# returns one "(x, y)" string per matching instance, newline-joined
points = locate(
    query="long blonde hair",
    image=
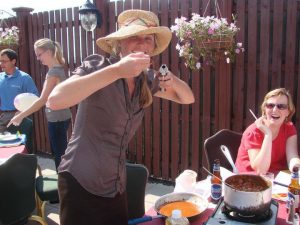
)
(47, 44)
(146, 95)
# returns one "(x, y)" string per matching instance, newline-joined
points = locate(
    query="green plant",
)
(203, 40)
(9, 36)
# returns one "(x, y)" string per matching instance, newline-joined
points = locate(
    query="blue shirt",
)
(12, 85)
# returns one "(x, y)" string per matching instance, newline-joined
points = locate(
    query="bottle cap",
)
(217, 161)
(176, 213)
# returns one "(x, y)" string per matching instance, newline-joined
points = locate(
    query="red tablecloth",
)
(9, 151)
(204, 217)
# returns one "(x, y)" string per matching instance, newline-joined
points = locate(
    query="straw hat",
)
(137, 22)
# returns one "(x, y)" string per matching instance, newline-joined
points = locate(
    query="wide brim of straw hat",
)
(163, 37)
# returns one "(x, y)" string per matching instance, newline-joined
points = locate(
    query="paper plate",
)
(9, 138)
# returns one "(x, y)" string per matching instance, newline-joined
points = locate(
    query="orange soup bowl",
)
(191, 205)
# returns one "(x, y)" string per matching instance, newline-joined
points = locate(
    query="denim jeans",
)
(58, 139)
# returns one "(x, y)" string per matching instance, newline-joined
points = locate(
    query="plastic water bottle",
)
(177, 219)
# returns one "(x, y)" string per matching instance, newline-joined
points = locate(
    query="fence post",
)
(102, 6)
(22, 19)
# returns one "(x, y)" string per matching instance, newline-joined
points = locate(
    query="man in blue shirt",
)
(12, 82)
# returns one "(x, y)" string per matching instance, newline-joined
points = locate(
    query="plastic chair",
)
(212, 150)
(17, 190)
(137, 177)
(25, 127)
(47, 191)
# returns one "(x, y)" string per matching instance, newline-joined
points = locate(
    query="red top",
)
(253, 138)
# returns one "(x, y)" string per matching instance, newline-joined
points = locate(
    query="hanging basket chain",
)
(223, 40)
(204, 13)
(217, 8)
(218, 11)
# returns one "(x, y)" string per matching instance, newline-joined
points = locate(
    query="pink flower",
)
(211, 31)
(239, 44)
(174, 28)
(215, 26)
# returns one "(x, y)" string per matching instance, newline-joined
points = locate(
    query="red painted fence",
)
(171, 136)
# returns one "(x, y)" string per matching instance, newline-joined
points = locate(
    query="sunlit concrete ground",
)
(153, 191)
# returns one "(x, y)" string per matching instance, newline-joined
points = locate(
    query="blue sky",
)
(37, 5)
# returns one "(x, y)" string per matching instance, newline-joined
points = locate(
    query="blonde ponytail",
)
(54, 47)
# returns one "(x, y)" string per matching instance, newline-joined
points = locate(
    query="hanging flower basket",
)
(13, 47)
(217, 42)
(9, 38)
(204, 40)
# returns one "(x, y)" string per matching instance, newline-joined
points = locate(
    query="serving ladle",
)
(227, 154)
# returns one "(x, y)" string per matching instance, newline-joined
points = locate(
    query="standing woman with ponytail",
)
(50, 55)
(112, 94)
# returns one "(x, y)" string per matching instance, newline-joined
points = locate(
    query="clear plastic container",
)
(186, 181)
(177, 219)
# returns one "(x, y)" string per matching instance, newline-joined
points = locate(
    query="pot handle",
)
(227, 154)
(143, 219)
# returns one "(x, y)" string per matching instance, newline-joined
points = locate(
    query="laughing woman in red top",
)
(270, 144)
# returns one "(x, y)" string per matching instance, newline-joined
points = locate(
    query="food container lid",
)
(176, 214)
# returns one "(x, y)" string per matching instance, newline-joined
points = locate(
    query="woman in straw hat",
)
(112, 94)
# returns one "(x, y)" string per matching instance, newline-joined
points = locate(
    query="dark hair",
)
(11, 54)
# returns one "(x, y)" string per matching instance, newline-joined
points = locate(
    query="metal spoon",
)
(227, 154)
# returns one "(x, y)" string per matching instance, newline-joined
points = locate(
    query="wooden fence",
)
(171, 136)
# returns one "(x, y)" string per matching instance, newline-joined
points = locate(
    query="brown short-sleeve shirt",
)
(105, 123)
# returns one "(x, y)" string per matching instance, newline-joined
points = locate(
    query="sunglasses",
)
(40, 54)
(4, 61)
(279, 106)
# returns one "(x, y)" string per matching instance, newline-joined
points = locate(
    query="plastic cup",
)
(269, 176)
(186, 181)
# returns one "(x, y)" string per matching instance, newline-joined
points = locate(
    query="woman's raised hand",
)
(261, 125)
(133, 64)
(294, 162)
